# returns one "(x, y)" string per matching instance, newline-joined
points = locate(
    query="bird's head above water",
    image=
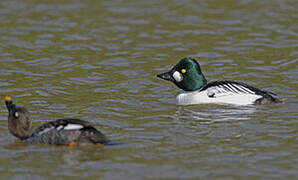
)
(19, 123)
(187, 75)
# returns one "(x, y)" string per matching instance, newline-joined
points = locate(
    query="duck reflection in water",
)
(219, 113)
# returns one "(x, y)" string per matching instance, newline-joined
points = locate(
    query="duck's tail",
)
(271, 100)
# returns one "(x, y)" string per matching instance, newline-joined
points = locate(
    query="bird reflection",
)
(215, 113)
(75, 156)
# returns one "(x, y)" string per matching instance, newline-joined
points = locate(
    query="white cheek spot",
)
(177, 76)
(73, 127)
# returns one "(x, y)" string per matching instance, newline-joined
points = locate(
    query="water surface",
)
(98, 60)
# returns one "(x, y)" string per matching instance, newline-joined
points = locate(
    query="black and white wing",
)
(225, 88)
(62, 124)
(63, 131)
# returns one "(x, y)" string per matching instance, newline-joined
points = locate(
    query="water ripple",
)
(98, 61)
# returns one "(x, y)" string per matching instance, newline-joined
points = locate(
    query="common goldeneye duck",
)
(60, 132)
(187, 75)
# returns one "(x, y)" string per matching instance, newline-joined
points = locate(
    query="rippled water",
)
(97, 60)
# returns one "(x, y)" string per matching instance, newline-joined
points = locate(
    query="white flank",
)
(220, 96)
(73, 127)
(177, 76)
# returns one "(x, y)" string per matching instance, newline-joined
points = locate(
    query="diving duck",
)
(187, 75)
(59, 132)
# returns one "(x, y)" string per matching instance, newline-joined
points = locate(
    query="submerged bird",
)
(188, 76)
(60, 132)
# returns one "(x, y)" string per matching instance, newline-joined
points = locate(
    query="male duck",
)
(60, 132)
(188, 76)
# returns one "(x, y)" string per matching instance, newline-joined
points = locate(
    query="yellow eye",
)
(183, 71)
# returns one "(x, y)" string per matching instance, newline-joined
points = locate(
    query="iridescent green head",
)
(187, 75)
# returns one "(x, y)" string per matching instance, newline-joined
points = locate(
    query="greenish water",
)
(97, 60)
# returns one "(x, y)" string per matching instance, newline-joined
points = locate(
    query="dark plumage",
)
(60, 132)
